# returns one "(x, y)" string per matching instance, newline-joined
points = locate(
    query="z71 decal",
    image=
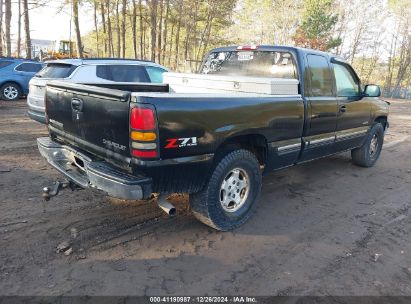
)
(173, 143)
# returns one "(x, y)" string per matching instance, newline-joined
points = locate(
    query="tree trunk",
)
(142, 54)
(1, 28)
(96, 28)
(123, 27)
(191, 34)
(153, 25)
(134, 28)
(7, 23)
(79, 46)
(405, 62)
(27, 29)
(118, 30)
(165, 31)
(170, 49)
(207, 40)
(160, 30)
(202, 48)
(103, 20)
(180, 13)
(19, 28)
(110, 32)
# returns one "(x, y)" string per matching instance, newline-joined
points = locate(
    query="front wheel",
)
(10, 92)
(230, 196)
(368, 154)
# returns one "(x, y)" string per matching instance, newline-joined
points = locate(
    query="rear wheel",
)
(10, 91)
(368, 154)
(230, 196)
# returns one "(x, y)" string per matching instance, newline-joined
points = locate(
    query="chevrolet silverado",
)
(249, 110)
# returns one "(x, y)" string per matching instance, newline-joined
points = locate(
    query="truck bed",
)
(101, 127)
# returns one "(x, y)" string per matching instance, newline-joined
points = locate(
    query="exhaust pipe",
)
(166, 206)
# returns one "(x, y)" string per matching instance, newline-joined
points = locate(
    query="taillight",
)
(142, 119)
(143, 133)
(144, 154)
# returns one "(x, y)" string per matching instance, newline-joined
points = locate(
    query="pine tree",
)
(317, 26)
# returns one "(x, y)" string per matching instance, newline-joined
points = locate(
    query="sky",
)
(46, 23)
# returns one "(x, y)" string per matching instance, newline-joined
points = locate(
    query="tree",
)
(96, 27)
(103, 21)
(77, 29)
(316, 28)
(123, 28)
(142, 53)
(19, 28)
(401, 62)
(110, 33)
(1, 27)
(264, 21)
(7, 24)
(118, 29)
(153, 4)
(134, 28)
(27, 29)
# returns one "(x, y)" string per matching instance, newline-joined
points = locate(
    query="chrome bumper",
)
(87, 173)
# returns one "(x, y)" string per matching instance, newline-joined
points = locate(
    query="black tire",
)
(368, 154)
(10, 91)
(206, 205)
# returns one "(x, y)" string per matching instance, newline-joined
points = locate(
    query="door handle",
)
(77, 104)
(343, 108)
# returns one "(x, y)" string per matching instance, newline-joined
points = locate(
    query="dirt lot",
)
(322, 228)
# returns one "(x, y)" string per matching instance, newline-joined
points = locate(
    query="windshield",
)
(56, 70)
(251, 63)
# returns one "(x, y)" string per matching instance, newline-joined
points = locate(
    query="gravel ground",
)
(322, 228)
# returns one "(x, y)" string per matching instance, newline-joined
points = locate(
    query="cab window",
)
(346, 83)
(321, 81)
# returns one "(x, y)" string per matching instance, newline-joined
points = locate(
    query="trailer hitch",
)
(49, 192)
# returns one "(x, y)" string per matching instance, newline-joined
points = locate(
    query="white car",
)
(89, 71)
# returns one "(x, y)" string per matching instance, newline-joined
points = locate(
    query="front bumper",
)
(88, 173)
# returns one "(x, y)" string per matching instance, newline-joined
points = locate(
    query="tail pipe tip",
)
(166, 206)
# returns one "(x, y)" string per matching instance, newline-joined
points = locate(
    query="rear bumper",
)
(87, 173)
(36, 108)
(37, 116)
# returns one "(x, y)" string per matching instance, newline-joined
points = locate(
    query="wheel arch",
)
(383, 120)
(255, 143)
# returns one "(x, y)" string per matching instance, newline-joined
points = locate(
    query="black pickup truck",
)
(130, 141)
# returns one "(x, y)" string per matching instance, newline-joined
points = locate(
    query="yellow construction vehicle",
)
(63, 49)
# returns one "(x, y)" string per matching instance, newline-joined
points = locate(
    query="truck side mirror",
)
(372, 90)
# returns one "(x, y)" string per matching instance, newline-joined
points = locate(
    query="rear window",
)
(57, 70)
(3, 64)
(273, 64)
(122, 73)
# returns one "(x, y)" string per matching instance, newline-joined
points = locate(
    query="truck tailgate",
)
(95, 119)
